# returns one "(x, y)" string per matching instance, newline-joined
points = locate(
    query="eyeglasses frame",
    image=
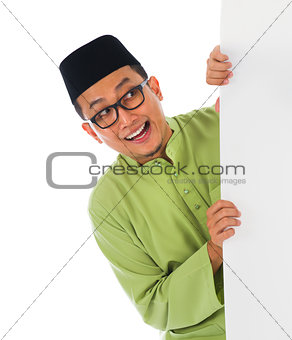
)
(118, 103)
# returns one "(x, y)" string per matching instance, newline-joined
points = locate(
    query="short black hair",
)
(137, 68)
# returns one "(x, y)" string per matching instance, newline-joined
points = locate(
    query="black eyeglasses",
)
(129, 101)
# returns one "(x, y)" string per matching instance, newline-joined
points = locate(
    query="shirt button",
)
(197, 206)
(159, 164)
(156, 163)
(186, 191)
(175, 174)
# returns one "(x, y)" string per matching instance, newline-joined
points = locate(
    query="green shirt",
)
(151, 226)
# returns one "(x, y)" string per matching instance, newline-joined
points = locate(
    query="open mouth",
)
(141, 134)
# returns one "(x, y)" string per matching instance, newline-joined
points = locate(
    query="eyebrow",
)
(121, 84)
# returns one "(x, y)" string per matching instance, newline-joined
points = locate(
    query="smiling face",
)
(148, 116)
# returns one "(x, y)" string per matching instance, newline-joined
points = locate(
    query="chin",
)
(154, 150)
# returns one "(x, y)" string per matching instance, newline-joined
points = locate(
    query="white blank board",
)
(256, 132)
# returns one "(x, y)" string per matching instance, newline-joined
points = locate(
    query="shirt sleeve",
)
(219, 285)
(181, 298)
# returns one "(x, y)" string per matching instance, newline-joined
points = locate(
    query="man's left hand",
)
(217, 71)
(217, 68)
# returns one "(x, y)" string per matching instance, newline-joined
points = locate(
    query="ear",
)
(154, 85)
(89, 130)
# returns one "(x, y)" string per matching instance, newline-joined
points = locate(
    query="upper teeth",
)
(137, 132)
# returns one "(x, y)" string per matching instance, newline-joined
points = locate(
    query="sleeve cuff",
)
(215, 282)
(193, 290)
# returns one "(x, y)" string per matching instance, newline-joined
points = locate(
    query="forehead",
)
(105, 88)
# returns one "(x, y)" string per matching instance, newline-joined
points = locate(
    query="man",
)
(156, 213)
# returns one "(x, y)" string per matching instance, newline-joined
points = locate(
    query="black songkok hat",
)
(92, 62)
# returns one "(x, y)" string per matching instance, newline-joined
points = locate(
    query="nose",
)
(126, 118)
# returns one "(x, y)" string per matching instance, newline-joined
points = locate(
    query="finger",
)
(223, 213)
(225, 235)
(219, 227)
(215, 65)
(219, 205)
(218, 77)
(216, 54)
(219, 74)
(218, 82)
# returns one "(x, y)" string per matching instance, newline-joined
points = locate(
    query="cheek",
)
(114, 142)
(156, 112)
(159, 120)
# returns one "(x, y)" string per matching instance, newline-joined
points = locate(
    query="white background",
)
(255, 128)
(42, 227)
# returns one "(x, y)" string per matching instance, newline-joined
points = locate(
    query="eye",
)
(104, 112)
(130, 94)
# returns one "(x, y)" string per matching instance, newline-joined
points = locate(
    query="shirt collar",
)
(171, 146)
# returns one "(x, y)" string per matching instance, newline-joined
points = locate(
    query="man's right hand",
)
(221, 215)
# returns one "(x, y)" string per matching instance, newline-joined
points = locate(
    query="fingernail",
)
(231, 74)
(226, 81)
